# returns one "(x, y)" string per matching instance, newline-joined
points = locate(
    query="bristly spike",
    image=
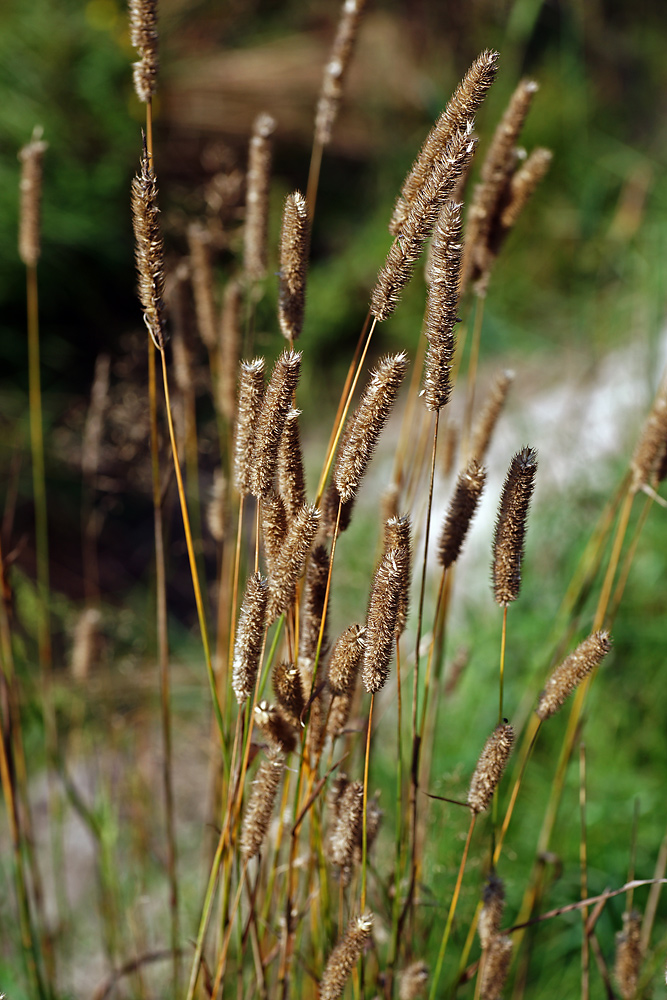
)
(312, 604)
(149, 250)
(276, 404)
(413, 980)
(30, 187)
(260, 805)
(460, 513)
(344, 956)
(257, 197)
(496, 967)
(345, 828)
(249, 637)
(381, 622)
(523, 184)
(294, 248)
(628, 960)
(335, 70)
(588, 655)
(276, 727)
(144, 38)
(343, 669)
(289, 691)
(398, 535)
(201, 275)
(491, 914)
(510, 532)
(251, 395)
(291, 477)
(651, 448)
(490, 767)
(291, 559)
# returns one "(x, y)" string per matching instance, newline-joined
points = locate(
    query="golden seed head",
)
(312, 603)
(413, 980)
(651, 448)
(229, 344)
(275, 726)
(149, 250)
(201, 275)
(496, 967)
(522, 185)
(510, 531)
(274, 527)
(291, 560)
(586, 657)
(344, 957)
(294, 248)
(260, 804)
(144, 38)
(276, 404)
(249, 637)
(291, 477)
(398, 535)
(345, 660)
(216, 512)
(257, 197)
(346, 827)
(289, 691)
(30, 187)
(490, 766)
(335, 70)
(491, 914)
(461, 510)
(488, 418)
(381, 621)
(251, 394)
(628, 955)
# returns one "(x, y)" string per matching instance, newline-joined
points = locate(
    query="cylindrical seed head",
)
(348, 822)
(289, 691)
(490, 766)
(291, 478)
(413, 980)
(460, 513)
(344, 957)
(586, 657)
(345, 660)
(510, 531)
(496, 967)
(334, 72)
(260, 805)
(149, 250)
(249, 637)
(291, 559)
(397, 535)
(488, 418)
(312, 604)
(491, 914)
(381, 620)
(651, 448)
(216, 512)
(294, 248)
(274, 527)
(275, 726)
(276, 405)
(30, 187)
(628, 955)
(257, 197)
(251, 395)
(228, 347)
(201, 275)
(144, 38)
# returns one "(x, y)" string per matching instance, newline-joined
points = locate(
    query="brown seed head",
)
(397, 535)
(345, 660)
(289, 691)
(275, 726)
(201, 275)
(144, 38)
(522, 186)
(491, 914)
(276, 405)
(294, 248)
(344, 957)
(291, 477)
(496, 968)
(488, 418)
(291, 559)
(30, 187)
(92, 434)
(508, 542)
(149, 250)
(586, 657)
(228, 346)
(461, 110)
(216, 512)
(366, 424)
(651, 448)
(346, 828)
(312, 604)
(274, 527)
(251, 394)
(490, 767)
(382, 619)
(249, 637)
(260, 805)
(257, 197)
(335, 70)
(412, 981)
(628, 955)
(461, 510)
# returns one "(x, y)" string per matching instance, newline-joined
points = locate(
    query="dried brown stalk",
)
(249, 637)
(257, 197)
(276, 404)
(488, 418)
(294, 248)
(335, 70)
(260, 805)
(144, 38)
(251, 394)
(511, 526)
(490, 766)
(149, 250)
(460, 513)
(30, 187)
(344, 956)
(586, 657)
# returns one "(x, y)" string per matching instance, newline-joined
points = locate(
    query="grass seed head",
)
(312, 604)
(275, 726)
(412, 981)
(496, 967)
(291, 477)
(490, 767)
(229, 342)
(144, 38)
(488, 418)
(30, 188)
(381, 621)
(291, 559)
(257, 197)
(249, 637)
(260, 804)
(289, 691)
(294, 247)
(345, 956)
(251, 395)
(149, 249)
(335, 70)
(201, 275)
(650, 454)
(586, 657)
(491, 914)
(510, 532)
(628, 955)
(460, 513)
(276, 404)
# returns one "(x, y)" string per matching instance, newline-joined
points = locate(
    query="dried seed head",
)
(461, 510)
(274, 527)
(345, 660)
(249, 637)
(651, 449)
(260, 805)
(144, 38)
(229, 342)
(92, 434)
(437, 368)
(490, 767)
(275, 726)
(291, 559)
(294, 247)
(149, 250)
(344, 956)
(522, 186)
(496, 968)
(444, 273)
(397, 535)
(312, 604)
(586, 657)
(334, 72)
(381, 620)
(461, 110)
(346, 828)
(330, 502)
(367, 422)
(511, 526)
(491, 914)
(201, 275)
(450, 163)
(276, 405)
(628, 955)
(216, 512)
(30, 187)
(251, 395)
(291, 478)
(413, 980)
(257, 197)
(488, 418)
(289, 691)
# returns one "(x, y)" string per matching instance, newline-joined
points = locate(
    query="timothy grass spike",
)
(291, 477)
(490, 767)
(276, 404)
(628, 955)
(496, 967)
(291, 559)
(249, 637)
(144, 38)
(294, 247)
(381, 622)
(460, 513)
(588, 655)
(651, 448)
(335, 70)
(488, 418)
(149, 250)
(345, 956)
(510, 532)
(30, 187)
(251, 395)
(260, 805)
(257, 197)
(228, 345)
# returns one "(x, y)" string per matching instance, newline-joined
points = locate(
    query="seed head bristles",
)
(488, 418)
(30, 187)
(345, 660)
(443, 273)
(460, 513)
(381, 620)
(511, 526)
(144, 38)
(260, 805)
(367, 422)
(230, 339)
(334, 72)
(523, 184)
(294, 248)
(437, 368)
(291, 559)
(496, 968)
(216, 512)
(274, 527)
(257, 197)
(275, 726)
(419, 223)
(412, 981)
(346, 828)
(288, 691)
(251, 395)
(461, 109)
(312, 604)
(276, 405)
(490, 767)
(490, 194)
(397, 535)
(330, 502)
(149, 251)
(651, 448)
(291, 478)
(628, 955)
(491, 914)
(345, 956)
(588, 655)
(249, 637)
(201, 275)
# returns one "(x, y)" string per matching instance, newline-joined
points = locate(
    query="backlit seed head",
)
(461, 510)
(345, 956)
(586, 657)
(490, 767)
(511, 526)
